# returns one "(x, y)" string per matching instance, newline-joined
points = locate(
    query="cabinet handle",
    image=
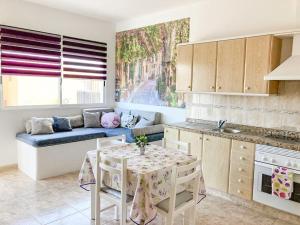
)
(247, 88)
(167, 131)
(189, 87)
(200, 138)
(206, 139)
(239, 191)
(240, 180)
(240, 169)
(212, 87)
(242, 158)
(243, 147)
(219, 87)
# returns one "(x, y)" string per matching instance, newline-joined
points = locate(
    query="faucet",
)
(221, 123)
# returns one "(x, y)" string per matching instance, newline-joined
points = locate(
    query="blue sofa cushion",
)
(81, 134)
(78, 134)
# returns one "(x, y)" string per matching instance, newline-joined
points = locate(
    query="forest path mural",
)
(146, 63)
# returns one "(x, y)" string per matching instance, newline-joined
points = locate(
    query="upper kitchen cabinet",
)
(204, 67)
(262, 56)
(231, 66)
(184, 68)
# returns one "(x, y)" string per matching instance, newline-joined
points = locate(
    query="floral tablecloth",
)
(148, 177)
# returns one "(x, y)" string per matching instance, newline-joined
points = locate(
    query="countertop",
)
(255, 135)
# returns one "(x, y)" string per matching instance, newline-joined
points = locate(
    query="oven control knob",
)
(288, 164)
(264, 158)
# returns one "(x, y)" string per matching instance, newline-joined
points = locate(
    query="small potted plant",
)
(141, 142)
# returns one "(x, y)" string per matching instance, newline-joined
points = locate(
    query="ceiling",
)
(113, 10)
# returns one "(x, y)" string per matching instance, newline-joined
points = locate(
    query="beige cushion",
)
(154, 129)
(28, 124)
(181, 198)
(92, 120)
(76, 121)
(41, 126)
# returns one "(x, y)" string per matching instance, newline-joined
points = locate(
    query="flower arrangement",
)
(141, 142)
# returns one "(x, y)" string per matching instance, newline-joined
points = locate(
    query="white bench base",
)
(44, 162)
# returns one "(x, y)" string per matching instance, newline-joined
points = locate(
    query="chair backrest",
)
(115, 166)
(109, 141)
(172, 144)
(187, 174)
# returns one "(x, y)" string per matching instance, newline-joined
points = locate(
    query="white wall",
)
(220, 19)
(31, 16)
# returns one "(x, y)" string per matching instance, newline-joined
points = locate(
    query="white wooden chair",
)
(182, 146)
(183, 202)
(120, 199)
(110, 141)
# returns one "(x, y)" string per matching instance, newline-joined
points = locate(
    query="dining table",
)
(148, 176)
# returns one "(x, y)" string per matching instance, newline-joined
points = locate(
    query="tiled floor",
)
(60, 201)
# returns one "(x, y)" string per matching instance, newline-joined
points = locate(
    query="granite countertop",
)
(257, 135)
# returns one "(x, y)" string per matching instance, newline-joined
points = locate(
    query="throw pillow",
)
(144, 123)
(41, 126)
(110, 120)
(28, 124)
(76, 121)
(128, 121)
(91, 120)
(61, 124)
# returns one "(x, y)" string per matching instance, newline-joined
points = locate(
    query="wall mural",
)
(146, 64)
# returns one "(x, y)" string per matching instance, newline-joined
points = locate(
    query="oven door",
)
(262, 189)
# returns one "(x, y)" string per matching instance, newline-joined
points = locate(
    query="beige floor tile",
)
(75, 219)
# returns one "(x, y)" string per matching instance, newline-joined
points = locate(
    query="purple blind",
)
(84, 59)
(29, 53)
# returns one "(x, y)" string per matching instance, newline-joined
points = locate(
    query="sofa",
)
(48, 155)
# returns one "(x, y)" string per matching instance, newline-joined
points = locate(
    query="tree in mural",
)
(146, 63)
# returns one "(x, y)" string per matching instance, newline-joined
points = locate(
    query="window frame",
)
(57, 106)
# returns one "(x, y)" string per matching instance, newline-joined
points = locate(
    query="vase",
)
(142, 150)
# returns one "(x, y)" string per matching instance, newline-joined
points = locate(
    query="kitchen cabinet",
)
(171, 134)
(204, 67)
(216, 162)
(241, 169)
(262, 56)
(195, 139)
(184, 68)
(230, 66)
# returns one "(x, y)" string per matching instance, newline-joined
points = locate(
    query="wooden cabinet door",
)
(195, 139)
(171, 134)
(204, 67)
(259, 62)
(230, 66)
(184, 67)
(216, 162)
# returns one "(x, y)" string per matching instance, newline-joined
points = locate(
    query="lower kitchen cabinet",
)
(216, 162)
(241, 169)
(171, 134)
(195, 139)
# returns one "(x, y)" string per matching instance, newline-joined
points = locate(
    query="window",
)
(84, 71)
(47, 69)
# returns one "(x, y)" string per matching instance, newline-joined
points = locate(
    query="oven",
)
(266, 158)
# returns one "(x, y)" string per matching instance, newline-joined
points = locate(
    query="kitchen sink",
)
(228, 130)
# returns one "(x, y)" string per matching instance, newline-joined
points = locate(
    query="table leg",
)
(93, 202)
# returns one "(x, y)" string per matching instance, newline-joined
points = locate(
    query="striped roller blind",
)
(84, 59)
(29, 53)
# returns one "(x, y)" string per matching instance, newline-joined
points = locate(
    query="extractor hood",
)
(290, 68)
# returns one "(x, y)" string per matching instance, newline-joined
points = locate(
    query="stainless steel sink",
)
(228, 130)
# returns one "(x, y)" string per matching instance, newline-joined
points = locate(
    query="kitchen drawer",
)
(243, 148)
(241, 159)
(241, 191)
(171, 133)
(241, 169)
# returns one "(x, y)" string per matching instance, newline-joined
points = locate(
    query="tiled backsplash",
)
(282, 111)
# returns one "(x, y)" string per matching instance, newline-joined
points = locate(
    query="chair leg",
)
(97, 208)
(123, 219)
(169, 220)
(117, 216)
(190, 217)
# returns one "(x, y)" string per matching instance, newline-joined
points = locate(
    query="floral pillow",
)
(110, 120)
(128, 121)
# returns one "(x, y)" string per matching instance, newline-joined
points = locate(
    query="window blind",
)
(29, 53)
(84, 59)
